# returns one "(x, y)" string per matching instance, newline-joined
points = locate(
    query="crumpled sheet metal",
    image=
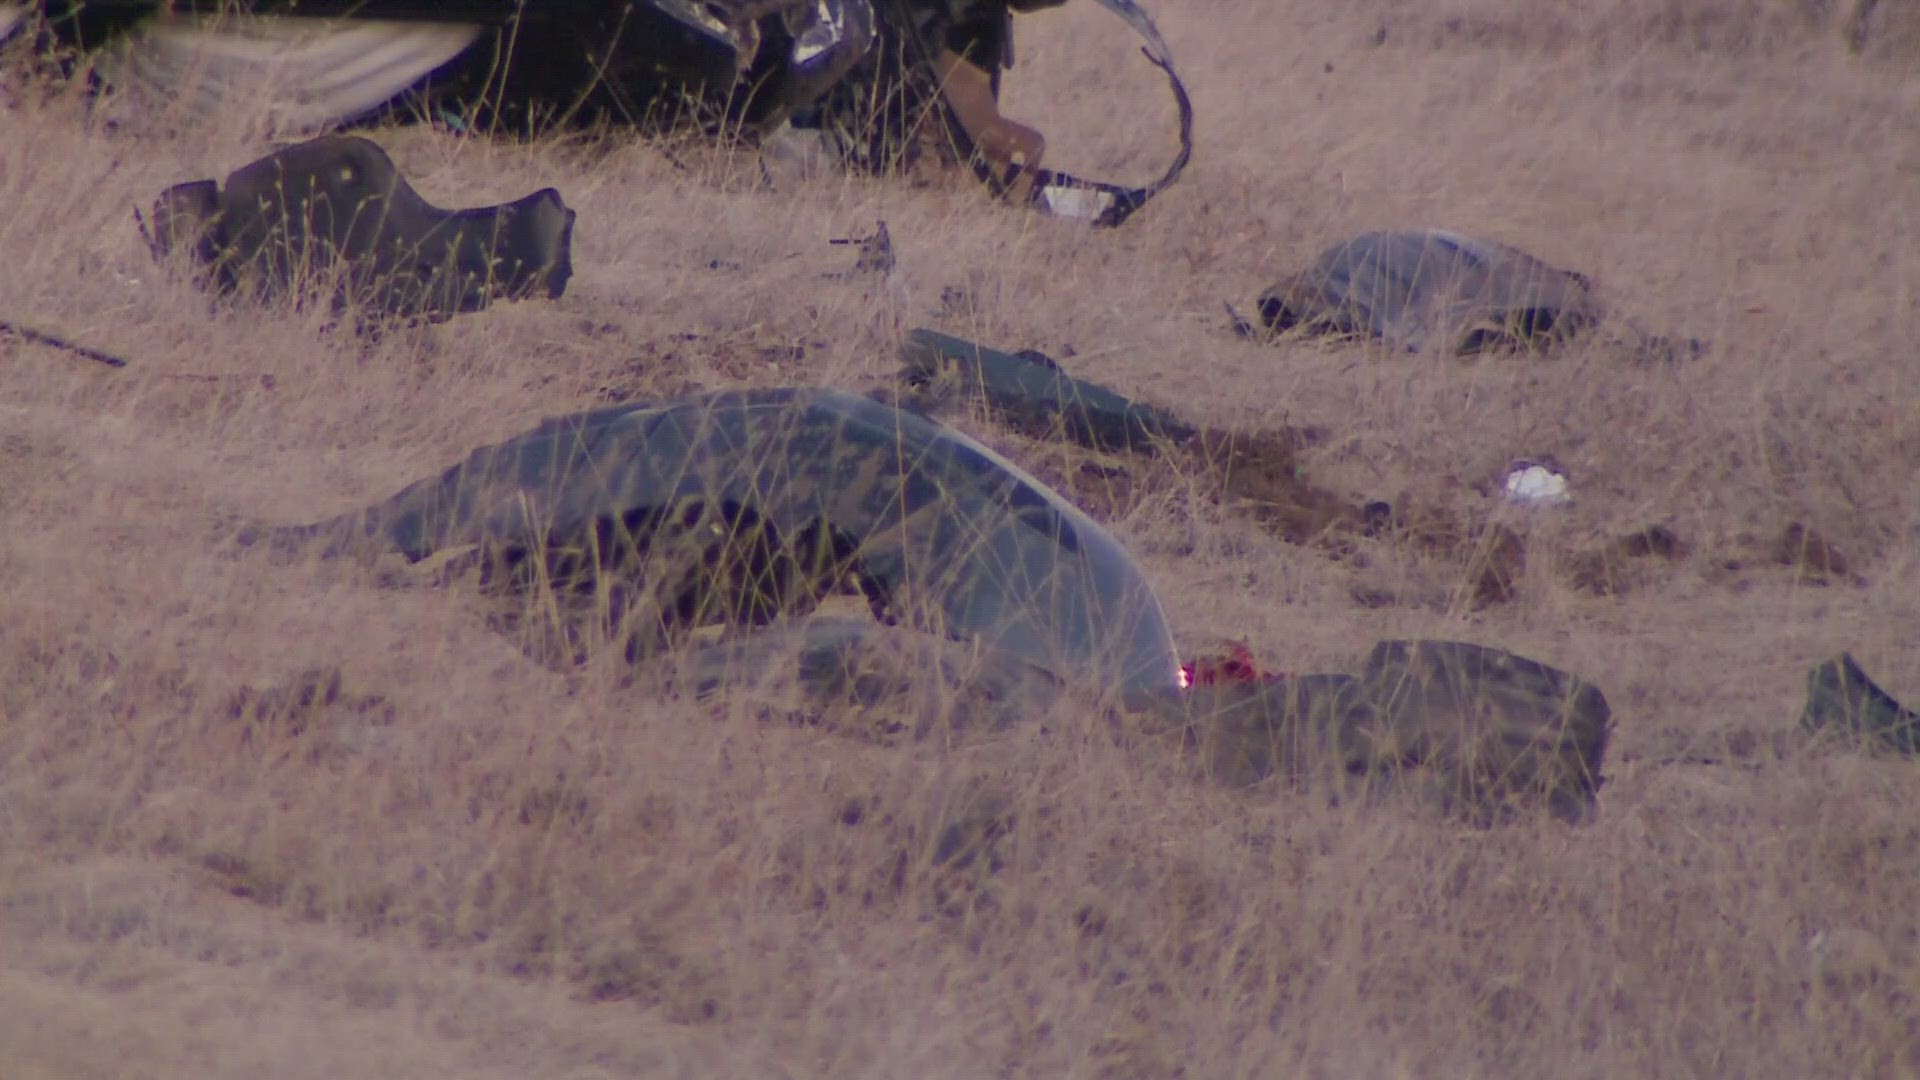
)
(938, 531)
(333, 214)
(1431, 291)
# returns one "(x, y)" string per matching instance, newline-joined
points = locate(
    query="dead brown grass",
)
(457, 862)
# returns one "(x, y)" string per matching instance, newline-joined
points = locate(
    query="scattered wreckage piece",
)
(742, 65)
(1030, 393)
(1842, 700)
(1434, 292)
(632, 526)
(875, 84)
(1536, 485)
(1481, 731)
(1485, 731)
(1255, 474)
(334, 214)
(938, 67)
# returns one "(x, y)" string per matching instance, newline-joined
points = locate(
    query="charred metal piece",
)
(334, 215)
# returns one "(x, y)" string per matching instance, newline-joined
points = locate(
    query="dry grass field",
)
(469, 865)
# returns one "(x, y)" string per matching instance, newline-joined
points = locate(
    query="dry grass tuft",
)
(317, 820)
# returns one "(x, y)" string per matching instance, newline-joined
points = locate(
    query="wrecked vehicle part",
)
(1436, 292)
(1481, 733)
(1039, 399)
(1107, 204)
(1429, 291)
(930, 88)
(333, 213)
(742, 507)
(874, 84)
(1842, 700)
(742, 64)
(1255, 473)
(1481, 730)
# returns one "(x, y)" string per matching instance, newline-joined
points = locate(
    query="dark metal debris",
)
(746, 507)
(1436, 292)
(1842, 700)
(332, 216)
(1482, 729)
(1034, 395)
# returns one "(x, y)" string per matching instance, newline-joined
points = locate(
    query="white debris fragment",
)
(1075, 203)
(1537, 485)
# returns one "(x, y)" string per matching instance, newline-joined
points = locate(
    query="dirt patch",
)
(1797, 547)
(1624, 563)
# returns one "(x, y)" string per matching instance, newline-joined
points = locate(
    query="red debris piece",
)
(1237, 666)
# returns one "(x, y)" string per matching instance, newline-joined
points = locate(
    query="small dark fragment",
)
(1378, 516)
(1842, 699)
